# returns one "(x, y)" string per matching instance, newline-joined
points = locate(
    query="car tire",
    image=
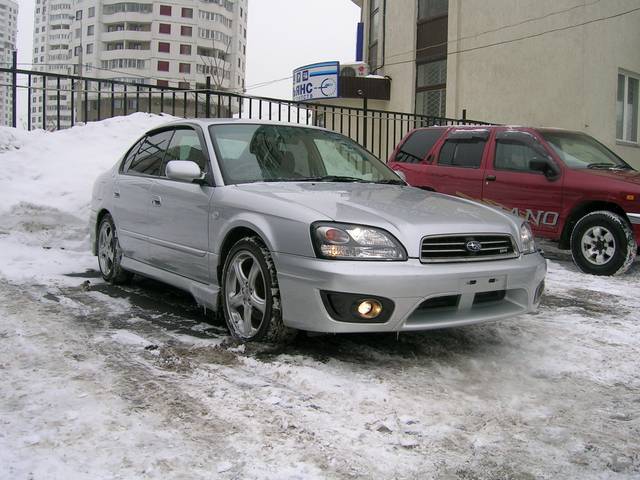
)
(251, 295)
(110, 253)
(602, 243)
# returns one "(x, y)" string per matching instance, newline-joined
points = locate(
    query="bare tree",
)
(217, 63)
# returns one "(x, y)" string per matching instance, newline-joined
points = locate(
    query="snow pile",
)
(46, 181)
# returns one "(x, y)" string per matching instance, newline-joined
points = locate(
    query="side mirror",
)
(183, 170)
(545, 166)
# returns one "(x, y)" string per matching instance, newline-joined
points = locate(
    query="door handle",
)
(156, 201)
(490, 178)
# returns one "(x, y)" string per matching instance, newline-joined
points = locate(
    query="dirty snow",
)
(135, 381)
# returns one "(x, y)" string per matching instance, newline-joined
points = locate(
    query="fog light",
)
(369, 308)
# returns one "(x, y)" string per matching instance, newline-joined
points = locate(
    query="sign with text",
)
(316, 81)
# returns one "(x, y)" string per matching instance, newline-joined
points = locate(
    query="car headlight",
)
(340, 241)
(526, 239)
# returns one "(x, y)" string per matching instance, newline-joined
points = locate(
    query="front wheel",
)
(602, 243)
(250, 294)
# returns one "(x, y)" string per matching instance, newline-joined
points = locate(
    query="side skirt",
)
(204, 294)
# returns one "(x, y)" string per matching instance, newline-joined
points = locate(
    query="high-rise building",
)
(51, 36)
(172, 43)
(8, 29)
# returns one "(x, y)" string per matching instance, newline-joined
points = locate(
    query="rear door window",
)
(148, 160)
(465, 153)
(416, 147)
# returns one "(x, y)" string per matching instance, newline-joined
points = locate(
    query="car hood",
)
(627, 176)
(408, 213)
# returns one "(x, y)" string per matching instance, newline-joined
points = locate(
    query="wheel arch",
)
(231, 238)
(583, 209)
(99, 217)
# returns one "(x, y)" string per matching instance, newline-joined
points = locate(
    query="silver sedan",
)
(288, 228)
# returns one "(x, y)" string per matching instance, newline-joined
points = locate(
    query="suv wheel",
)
(250, 294)
(602, 243)
(110, 253)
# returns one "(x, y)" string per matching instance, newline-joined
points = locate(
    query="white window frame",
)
(626, 118)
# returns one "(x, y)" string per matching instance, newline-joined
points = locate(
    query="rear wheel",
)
(250, 294)
(602, 243)
(110, 253)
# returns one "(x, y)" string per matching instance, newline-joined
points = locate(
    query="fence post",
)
(364, 121)
(208, 97)
(14, 90)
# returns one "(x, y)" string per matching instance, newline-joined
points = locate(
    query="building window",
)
(374, 33)
(186, 31)
(185, 49)
(184, 85)
(187, 12)
(431, 88)
(77, 51)
(89, 48)
(627, 107)
(164, 28)
(432, 8)
(185, 68)
(163, 66)
(165, 10)
(164, 47)
(92, 12)
(90, 30)
(162, 83)
(79, 15)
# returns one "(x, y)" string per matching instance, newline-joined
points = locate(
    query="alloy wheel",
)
(245, 294)
(598, 245)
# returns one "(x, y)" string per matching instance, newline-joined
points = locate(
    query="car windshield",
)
(278, 153)
(578, 150)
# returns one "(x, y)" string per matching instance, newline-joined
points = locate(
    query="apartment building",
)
(565, 63)
(51, 36)
(8, 30)
(175, 43)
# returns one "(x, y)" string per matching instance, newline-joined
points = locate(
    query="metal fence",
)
(57, 101)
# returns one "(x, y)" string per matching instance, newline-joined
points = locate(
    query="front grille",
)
(460, 248)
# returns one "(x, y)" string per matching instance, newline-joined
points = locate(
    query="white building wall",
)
(546, 71)
(8, 30)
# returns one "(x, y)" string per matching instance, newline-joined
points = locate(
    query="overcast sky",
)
(282, 35)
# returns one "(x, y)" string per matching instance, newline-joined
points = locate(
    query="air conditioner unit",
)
(358, 69)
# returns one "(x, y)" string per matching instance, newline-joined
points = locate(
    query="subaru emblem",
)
(473, 246)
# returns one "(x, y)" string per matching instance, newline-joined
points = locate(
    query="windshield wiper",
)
(391, 182)
(332, 178)
(604, 166)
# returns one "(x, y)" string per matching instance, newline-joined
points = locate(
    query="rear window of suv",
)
(416, 147)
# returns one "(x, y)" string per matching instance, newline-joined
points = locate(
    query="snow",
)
(98, 381)
(46, 181)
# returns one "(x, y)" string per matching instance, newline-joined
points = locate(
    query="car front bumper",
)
(408, 284)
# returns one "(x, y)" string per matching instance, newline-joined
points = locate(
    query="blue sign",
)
(316, 82)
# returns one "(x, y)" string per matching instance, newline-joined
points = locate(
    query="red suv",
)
(569, 186)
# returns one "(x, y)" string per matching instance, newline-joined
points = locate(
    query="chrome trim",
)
(634, 218)
(460, 259)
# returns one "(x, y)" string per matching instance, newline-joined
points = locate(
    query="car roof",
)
(490, 127)
(206, 122)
